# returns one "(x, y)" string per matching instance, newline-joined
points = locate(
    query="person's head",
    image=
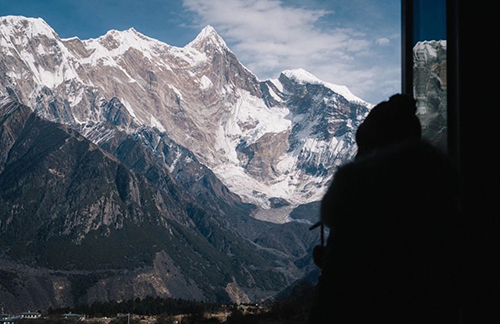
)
(387, 123)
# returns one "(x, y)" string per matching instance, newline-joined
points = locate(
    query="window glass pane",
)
(429, 69)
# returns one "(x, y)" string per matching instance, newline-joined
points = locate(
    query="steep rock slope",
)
(79, 226)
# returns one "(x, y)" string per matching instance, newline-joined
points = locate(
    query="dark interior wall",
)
(473, 126)
(477, 80)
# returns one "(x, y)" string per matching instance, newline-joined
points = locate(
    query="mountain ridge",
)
(205, 90)
(100, 229)
(189, 151)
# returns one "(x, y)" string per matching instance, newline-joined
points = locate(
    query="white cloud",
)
(382, 41)
(269, 37)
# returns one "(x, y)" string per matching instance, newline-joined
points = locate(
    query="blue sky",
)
(348, 42)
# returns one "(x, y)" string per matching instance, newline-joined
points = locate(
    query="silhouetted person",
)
(390, 256)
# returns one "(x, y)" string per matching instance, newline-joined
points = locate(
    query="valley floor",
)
(231, 314)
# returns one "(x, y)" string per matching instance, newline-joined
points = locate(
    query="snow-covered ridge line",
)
(302, 76)
(430, 47)
(208, 32)
(30, 26)
(69, 39)
(441, 42)
(129, 38)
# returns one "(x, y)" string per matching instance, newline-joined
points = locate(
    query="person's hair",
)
(387, 123)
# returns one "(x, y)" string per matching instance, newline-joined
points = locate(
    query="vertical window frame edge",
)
(407, 47)
(452, 61)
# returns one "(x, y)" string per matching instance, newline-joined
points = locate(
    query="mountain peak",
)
(128, 33)
(208, 35)
(27, 26)
(302, 76)
(208, 30)
(116, 42)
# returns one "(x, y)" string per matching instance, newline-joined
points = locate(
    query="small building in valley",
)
(30, 315)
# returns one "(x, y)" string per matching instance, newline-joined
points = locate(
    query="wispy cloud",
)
(382, 41)
(269, 37)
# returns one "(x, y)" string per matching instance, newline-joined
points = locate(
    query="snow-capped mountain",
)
(275, 143)
(79, 225)
(429, 88)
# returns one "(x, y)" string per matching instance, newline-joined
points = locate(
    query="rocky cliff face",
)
(266, 140)
(429, 79)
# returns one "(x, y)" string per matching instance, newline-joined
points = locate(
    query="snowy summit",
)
(302, 76)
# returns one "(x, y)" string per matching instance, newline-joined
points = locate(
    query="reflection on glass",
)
(429, 69)
(429, 89)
